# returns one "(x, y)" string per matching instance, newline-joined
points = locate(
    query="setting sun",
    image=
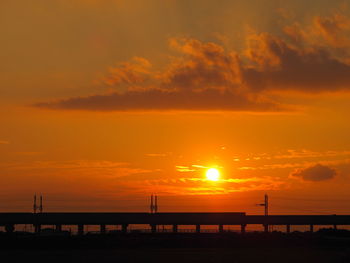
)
(213, 174)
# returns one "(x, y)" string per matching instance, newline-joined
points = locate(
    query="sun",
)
(213, 174)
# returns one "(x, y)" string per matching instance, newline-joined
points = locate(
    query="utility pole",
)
(34, 205)
(265, 204)
(266, 208)
(41, 204)
(151, 206)
(154, 204)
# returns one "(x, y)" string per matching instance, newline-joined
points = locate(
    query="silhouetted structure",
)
(266, 209)
(36, 207)
(154, 204)
(41, 204)
(10, 220)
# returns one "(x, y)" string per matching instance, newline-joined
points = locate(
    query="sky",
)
(105, 102)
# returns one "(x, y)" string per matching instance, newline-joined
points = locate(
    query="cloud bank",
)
(205, 76)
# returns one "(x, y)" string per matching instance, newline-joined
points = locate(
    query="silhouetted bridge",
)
(10, 220)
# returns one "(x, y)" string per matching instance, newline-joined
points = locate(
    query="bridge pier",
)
(175, 228)
(103, 229)
(243, 228)
(311, 228)
(80, 230)
(153, 229)
(266, 228)
(37, 228)
(335, 227)
(198, 229)
(221, 228)
(125, 228)
(9, 228)
(58, 228)
(288, 229)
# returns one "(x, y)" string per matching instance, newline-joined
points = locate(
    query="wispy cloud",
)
(158, 154)
(28, 153)
(201, 186)
(88, 168)
(184, 169)
(298, 154)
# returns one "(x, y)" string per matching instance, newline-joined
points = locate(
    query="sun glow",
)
(213, 174)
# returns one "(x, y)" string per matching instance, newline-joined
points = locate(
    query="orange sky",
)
(105, 102)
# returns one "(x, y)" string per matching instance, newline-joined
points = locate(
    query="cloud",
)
(205, 66)
(315, 173)
(184, 169)
(76, 167)
(282, 66)
(130, 73)
(204, 76)
(4, 142)
(200, 186)
(334, 29)
(161, 100)
(158, 154)
(28, 153)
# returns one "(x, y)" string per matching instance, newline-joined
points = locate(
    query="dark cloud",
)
(203, 66)
(282, 66)
(315, 173)
(205, 76)
(161, 100)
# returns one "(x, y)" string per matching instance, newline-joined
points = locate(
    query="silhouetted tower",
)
(35, 207)
(265, 204)
(151, 206)
(154, 204)
(41, 204)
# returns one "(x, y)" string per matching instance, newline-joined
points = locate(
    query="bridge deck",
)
(169, 219)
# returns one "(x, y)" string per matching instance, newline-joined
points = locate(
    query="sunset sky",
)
(105, 102)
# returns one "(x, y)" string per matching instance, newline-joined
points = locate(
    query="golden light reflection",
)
(213, 174)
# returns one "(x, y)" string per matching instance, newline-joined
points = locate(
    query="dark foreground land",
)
(324, 246)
